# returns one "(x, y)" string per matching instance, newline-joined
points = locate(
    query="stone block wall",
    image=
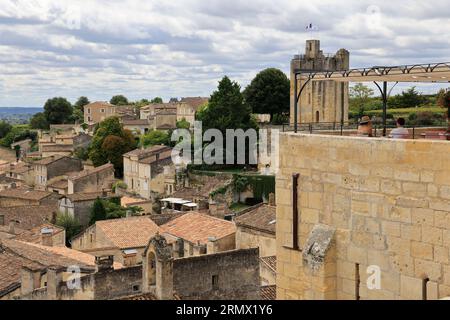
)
(236, 273)
(389, 203)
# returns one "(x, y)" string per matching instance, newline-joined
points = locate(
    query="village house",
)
(161, 116)
(145, 204)
(46, 234)
(7, 182)
(188, 107)
(137, 126)
(91, 180)
(125, 239)
(22, 171)
(256, 229)
(32, 269)
(78, 205)
(54, 166)
(58, 185)
(27, 217)
(229, 275)
(18, 197)
(144, 170)
(96, 112)
(193, 234)
(54, 144)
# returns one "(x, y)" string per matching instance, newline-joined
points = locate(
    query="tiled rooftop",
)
(22, 193)
(197, 227)
(132, 232)
(261, 217)
(88, 172)
(29, 216)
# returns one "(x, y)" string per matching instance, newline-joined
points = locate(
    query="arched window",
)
(317, 116)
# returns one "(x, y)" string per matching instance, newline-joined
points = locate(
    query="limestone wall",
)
(389, 203)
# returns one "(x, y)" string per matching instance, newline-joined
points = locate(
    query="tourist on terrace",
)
(365, 127)
(400, 132)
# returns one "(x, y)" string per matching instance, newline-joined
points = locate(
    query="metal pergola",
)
(425, 73)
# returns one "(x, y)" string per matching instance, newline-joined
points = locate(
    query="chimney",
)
(29, 280)
(47, 237)
(272, 200)
(54, 279)
(104, 263)
(212, 246)
(12, 227)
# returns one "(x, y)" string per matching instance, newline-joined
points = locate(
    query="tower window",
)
(215, 281)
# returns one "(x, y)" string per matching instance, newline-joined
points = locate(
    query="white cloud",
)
(145, 48)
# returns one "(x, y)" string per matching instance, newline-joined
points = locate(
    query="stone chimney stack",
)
(104, 263)
(272, 200)
(212, 245)
(12, 227)
(54, 279)
(47, 237)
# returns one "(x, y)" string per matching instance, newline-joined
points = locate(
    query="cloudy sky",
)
(147, 48)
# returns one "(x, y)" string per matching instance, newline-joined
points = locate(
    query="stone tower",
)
(320, 101)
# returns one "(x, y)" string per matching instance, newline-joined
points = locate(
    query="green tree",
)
(58, 110)
(359, 96)
(156, 100)
(70, 224)
(119, 100)
(98, 212)
(81, 102)
(109, 135)
(81, 153)
(443, 98)
(77, 116)
(407, 99)
(5, 128)
(39, 121)
(155, 137)
(269, 92)
(183, 124)
(226, 110)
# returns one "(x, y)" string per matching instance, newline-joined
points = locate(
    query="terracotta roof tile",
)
(29, 216)
(35, 236)
(260, 217)
(197, 227)
(88, 172)
(132, 232)
(22, 193)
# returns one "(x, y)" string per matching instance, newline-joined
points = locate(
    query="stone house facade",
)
(18, 197)
(144, 170)
(194, 234)
(78, 205)
(125, 239)
(54, 166)
(91, 180)
(320, 101)
(370, 218)
(255, 228)
(22, 171)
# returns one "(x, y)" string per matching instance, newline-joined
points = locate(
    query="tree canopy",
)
(109, 143)
(157, 100)
(269, 92)
(81, 102)
(226, 109)
(58, 110)
(155, 137)
(98, 212)
(39, 121)
(119, 100)
(5, 128)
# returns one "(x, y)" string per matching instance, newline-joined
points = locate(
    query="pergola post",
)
(295, 103)
(384, 107)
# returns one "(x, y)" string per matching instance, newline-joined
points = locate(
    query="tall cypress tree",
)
(98, 211)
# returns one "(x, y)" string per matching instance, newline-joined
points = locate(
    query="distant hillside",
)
(18, 115)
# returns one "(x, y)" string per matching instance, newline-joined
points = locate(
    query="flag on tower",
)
(311, 27)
